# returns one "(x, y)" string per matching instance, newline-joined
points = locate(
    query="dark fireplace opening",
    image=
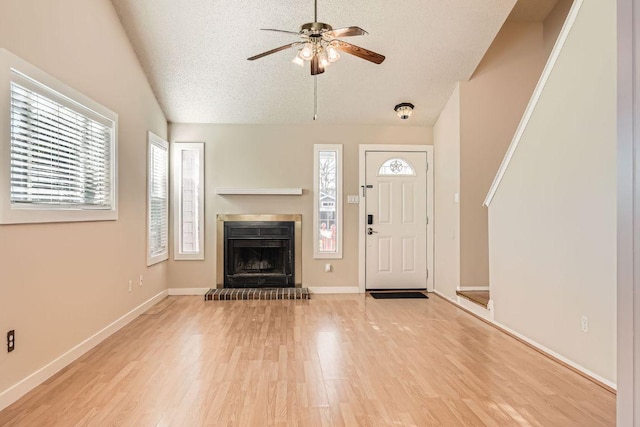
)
(258, 254)
(262, 260)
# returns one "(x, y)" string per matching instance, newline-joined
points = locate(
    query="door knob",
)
(370, 231)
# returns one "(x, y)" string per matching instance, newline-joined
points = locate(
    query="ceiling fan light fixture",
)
(332, 53)
(404, 110)
(307, 51)
(323, 60)
(298, 61)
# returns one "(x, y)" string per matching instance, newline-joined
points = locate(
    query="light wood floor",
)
(335, 360)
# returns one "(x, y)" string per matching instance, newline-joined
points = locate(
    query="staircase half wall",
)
(552, 207)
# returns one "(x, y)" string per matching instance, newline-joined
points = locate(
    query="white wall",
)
(446, 137)
(61, 283)
(552, 222)
(266, 156)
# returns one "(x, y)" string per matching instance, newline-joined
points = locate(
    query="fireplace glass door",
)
(259, 254)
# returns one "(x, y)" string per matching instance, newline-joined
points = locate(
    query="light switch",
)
(456, 197)
(353, 199)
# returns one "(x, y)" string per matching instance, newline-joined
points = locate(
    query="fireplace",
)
(258, 251)
(258, 254)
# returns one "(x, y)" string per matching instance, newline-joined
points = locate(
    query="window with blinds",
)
(59, 157)
(158, 200)
(60, 151)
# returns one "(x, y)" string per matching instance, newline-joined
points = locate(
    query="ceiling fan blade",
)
(346, 32)
(280, 31)
(358, 51)
(269, 52)
(316, 68)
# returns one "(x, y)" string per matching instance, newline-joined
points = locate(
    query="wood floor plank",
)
(334, 360)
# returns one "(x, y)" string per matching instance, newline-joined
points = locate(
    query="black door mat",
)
(226, 294)
(396, 295)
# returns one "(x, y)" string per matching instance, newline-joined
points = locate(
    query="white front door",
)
(396, 224)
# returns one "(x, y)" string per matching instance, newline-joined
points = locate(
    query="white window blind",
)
(158, 200)
(60, 157)
(58, 149)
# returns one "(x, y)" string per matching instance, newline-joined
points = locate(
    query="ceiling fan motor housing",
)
(315, 28)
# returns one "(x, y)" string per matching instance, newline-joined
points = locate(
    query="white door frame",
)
(628, 287)
(363, 148)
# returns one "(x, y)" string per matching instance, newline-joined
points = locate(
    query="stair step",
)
(479, 297)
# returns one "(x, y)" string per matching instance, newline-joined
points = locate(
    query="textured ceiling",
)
(194, 52)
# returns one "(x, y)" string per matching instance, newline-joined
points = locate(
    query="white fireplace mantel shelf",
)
(259, 191)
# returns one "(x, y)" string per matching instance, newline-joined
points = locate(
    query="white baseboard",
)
(476, 309)
(15, 392)
(188, 291)
(538, 346)
(473, 288)
(452, 299)
(334, 289)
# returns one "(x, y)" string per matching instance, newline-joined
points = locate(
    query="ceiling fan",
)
(320, 45)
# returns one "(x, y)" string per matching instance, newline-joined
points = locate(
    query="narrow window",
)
(60, 148)
(188, 200)
(158, 200)
(327, 238)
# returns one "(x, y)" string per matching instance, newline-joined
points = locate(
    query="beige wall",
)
(491, 106)
(553, 218)
(471, 137)
(280, 156)
(446, 137)
(553, 23)
(61, 283)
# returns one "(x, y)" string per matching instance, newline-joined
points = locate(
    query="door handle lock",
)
(370, 231)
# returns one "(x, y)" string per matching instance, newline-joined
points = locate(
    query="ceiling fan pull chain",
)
(315, 97)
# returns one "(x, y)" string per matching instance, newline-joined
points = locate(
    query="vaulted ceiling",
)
(195, 54)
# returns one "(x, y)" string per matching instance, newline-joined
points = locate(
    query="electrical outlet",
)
(130, 285)
(585, 324)
(140, 282)
(11, 341)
